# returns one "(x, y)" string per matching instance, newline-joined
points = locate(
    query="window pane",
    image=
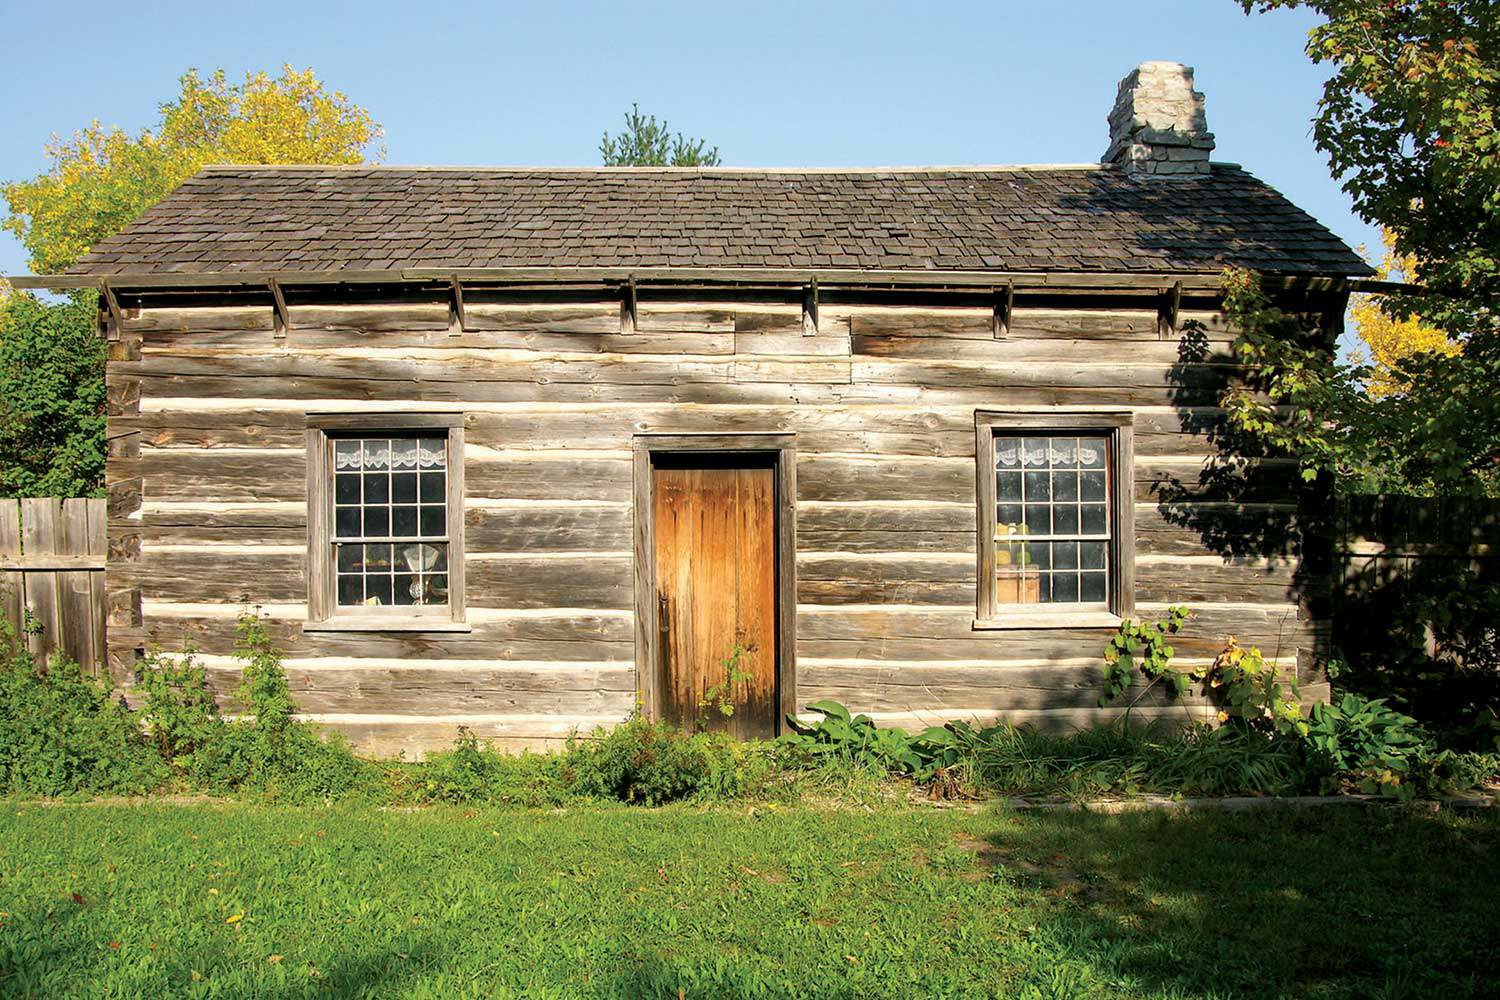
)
(377, 590)
(346, 489)
(404, 521)
(1008, 486)
(1092, 486)
(437, 589)
(1034, 452)
(1065, 588)
(1064, 452)
(408, 589)
(404, 487)
(377, 521)
(1008, 453)
(434, 487)
(1038, 487)
(1092, 555)
(377, 454)
(346, 522)
(345, 455)
(434, 453)
(377, 487)
(1093, 520)
(434, 521)
(1065, 555)
(404, 455)
(1037, 516)
(1065, 519)
(1008, 513)
(1091, 453)
(1065, 486)
(1094, 588)
(348, 558)
(351, 589)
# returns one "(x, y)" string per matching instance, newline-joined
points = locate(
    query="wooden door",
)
(715, 531)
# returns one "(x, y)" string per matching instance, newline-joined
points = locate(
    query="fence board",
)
(52, 555)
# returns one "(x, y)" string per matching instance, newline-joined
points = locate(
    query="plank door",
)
(715, 531)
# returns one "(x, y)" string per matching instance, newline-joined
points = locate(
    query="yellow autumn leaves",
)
(101, 178)
(1390, 340)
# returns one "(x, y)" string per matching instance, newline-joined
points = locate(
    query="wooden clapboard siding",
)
(208, 495)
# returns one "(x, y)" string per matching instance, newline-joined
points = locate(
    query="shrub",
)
(650, 763)
(178, 712)
(63, 733)
(472, 772)
(270, 752)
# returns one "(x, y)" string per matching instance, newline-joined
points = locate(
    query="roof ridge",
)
(509, 168)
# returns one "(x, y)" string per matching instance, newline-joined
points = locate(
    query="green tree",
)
(1410, 122)
(97, 182)
(645, 142)
(51, 399)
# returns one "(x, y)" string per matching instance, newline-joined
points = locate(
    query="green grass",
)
(132, 900)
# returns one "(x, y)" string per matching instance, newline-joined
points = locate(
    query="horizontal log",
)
(412, 737)
(929, 687)
(376, 686)
(565, 636)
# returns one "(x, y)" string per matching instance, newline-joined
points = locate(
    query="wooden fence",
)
(1390, 549)
(52, 565)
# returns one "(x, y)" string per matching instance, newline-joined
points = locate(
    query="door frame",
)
(647, 629)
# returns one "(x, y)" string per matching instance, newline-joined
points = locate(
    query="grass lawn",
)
(242, 900)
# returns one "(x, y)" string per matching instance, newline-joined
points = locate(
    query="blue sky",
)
(772, 84)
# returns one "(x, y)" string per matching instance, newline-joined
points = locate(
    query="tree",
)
(101, 179)
(1410, 122)
(1391, 340)
(51, 399)
(648, 143)
(98, 181)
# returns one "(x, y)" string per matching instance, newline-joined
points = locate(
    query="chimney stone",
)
(1158, 126)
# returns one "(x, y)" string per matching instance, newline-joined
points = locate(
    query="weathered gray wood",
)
(40, 535)
(555, 395)
(12, 584)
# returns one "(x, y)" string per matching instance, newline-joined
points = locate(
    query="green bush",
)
(271, 752)
(475, 772)
(51, 397)
(62, 733)
(650, 763)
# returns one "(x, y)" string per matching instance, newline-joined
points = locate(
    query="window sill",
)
(1054, 619)
(387, 625)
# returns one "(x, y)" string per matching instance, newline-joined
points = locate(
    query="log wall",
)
(208, 495)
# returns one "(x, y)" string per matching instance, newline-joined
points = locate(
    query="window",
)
(1055, 518)
(385, 522)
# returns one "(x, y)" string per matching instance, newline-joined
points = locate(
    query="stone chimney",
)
(1158, 125)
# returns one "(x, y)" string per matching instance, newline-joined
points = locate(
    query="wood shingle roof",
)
(1067, 219)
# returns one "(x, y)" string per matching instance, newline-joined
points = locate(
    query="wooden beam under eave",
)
(1005, 306)
(458, 308)
(1169, 312)
(283, 317)
(810, 308)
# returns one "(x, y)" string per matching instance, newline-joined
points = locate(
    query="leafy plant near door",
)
(719, 698)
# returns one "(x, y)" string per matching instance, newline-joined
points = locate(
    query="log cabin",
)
(528, 450)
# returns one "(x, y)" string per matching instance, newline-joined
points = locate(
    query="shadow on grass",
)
(47, 950)
(1326, 902)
